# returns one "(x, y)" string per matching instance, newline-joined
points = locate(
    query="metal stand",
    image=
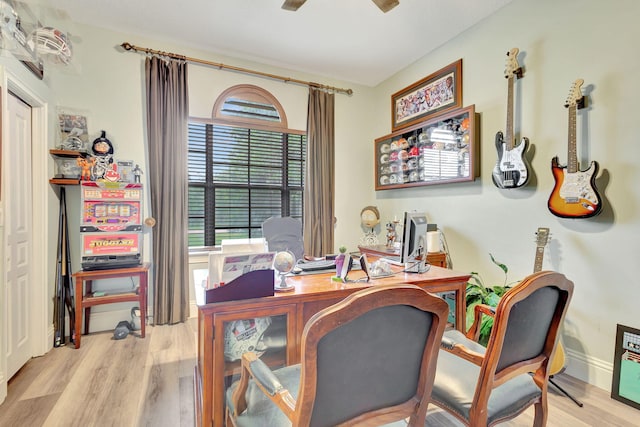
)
(565, 392)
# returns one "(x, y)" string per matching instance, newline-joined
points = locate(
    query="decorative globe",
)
(283, 263)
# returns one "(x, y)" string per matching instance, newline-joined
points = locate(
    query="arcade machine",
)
(111, 225)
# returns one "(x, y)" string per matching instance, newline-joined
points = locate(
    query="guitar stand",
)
(565, 392)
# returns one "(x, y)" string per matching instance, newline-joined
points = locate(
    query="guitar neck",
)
(572, 154)
(537, 265)
(509, 129)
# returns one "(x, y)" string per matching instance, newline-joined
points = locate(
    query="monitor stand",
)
(417, 266)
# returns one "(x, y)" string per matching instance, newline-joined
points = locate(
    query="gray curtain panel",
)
(167, 128)
(319, 190)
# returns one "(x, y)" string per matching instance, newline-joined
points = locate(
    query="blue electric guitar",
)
(511, 169)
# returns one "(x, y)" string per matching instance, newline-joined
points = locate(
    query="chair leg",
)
(565, 392)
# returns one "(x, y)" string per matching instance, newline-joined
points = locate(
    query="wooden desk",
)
(85, 299)
(312, 293)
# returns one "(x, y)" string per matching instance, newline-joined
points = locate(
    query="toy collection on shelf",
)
(78, 160)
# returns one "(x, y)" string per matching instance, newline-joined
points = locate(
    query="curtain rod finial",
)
(126, 46)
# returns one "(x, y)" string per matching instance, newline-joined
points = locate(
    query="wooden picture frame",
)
(626, 366)
(435, 94)
(439, 150)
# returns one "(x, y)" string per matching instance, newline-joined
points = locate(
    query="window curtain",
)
(319, 186)
(167, 124)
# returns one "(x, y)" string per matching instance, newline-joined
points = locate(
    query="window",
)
(244, 167)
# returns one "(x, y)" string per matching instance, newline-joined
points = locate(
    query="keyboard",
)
(316, 265)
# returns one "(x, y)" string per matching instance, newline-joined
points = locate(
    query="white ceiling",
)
(350, 40)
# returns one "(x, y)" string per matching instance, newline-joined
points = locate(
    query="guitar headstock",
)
(575, 97)
(542, 236)
(512, 68)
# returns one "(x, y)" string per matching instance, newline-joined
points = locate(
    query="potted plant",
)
(479, 293)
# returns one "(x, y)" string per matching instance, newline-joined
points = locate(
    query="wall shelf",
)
(67, 171)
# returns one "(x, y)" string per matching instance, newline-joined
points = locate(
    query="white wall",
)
(560, 41)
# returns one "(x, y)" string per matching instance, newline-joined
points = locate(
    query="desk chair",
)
(368, 359)
(284, 233)
(485, 386)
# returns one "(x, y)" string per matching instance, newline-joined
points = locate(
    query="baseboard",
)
(593, 371)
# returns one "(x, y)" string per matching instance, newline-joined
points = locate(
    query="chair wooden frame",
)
(490, 375)
(300, 410)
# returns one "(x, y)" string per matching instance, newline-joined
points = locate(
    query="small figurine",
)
(102, 146)
(86, 166)
(112, 173)
(103, 151)
(391, 234)
(137, 172)
(369, 219)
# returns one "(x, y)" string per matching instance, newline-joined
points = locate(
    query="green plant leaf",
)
(470, 313)
(493, 299)
(485, 330)
(499, 264)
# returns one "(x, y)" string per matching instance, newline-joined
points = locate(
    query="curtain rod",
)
(129, 46)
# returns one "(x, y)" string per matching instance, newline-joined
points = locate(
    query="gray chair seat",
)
(456, 382)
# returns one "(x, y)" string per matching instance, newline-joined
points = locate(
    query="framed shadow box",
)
(437, 151)
(626, 366)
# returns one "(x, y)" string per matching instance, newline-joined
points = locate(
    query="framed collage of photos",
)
(435, 94)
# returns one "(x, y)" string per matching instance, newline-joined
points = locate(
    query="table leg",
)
(87, 310)
(143, 302)
(78, 302)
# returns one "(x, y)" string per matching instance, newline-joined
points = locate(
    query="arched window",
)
(245, 166)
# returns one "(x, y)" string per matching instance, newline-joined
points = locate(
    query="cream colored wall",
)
(560, 41)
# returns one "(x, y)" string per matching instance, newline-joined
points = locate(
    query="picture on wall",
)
(436, 93)
(626, 366)
(74, 134)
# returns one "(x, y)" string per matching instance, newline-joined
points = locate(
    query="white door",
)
(18, 234)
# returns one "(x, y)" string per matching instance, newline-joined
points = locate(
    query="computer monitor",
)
(414, 241)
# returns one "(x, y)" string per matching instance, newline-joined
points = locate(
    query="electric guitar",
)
(542, 238)
(511, 169)
(574, 194)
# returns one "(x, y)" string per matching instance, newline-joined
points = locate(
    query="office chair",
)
(284, 233)
(485, 386)
(369, 359)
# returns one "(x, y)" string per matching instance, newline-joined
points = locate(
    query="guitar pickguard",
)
(574, 195)
(511, 169)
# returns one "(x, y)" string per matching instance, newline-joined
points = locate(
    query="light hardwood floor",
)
(149, 382)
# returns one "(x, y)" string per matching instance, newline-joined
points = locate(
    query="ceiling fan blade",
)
(292, 4)
(386, 5)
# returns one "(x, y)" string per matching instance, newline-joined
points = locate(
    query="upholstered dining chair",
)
(284, 233)
(367, 360)
(485, 386)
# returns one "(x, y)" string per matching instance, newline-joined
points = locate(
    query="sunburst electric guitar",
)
(574, 194)
(559, 357)
(511, 169)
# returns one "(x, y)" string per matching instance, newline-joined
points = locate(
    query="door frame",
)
(41, 328)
